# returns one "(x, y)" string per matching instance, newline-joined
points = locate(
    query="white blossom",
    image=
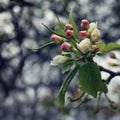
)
(58, 59)
(84, 46)
(92, 27)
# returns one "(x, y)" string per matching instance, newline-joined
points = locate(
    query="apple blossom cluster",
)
(78, 46)
(89, 35)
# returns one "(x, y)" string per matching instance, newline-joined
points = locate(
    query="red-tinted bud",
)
(65, 46)
(83, 34)
(85, 24)
(69, 33)
(68, 27)
(56, 38)
(95, 48)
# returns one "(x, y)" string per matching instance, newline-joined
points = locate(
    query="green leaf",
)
(108, 47)
(72, 22)
(103, 87)
(101, 45)
(66, 66)
(90, 78)
(61, 24)
(52, 31)
(111, 46)
(66, 82)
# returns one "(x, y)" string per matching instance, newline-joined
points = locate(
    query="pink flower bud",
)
(69, 33)
(56, 38)
(83, 34)
(68, 27)
(65, 46)
(95, 48)
(85, 24)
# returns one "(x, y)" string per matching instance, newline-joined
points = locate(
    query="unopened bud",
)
(114, 105)
(95, 48)
(112, 55)
(69, 33)
(68, 27)
(57, 39)
(85, 24)
(65, 46)
(83, 34)
(95, 35)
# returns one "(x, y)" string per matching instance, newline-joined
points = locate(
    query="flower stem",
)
(107, 98)
(43, 46)
(75, 99)
(98, 100)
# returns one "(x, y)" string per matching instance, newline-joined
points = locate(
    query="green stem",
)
(75, 39)
(75, 51)
(84, 99)
(98, 99)
(66, 82)
(43, 46)
(78, 98)
(107, 98)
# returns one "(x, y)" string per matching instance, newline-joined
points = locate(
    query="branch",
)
(112, 74)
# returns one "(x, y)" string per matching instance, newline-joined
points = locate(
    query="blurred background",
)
(28, 84)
